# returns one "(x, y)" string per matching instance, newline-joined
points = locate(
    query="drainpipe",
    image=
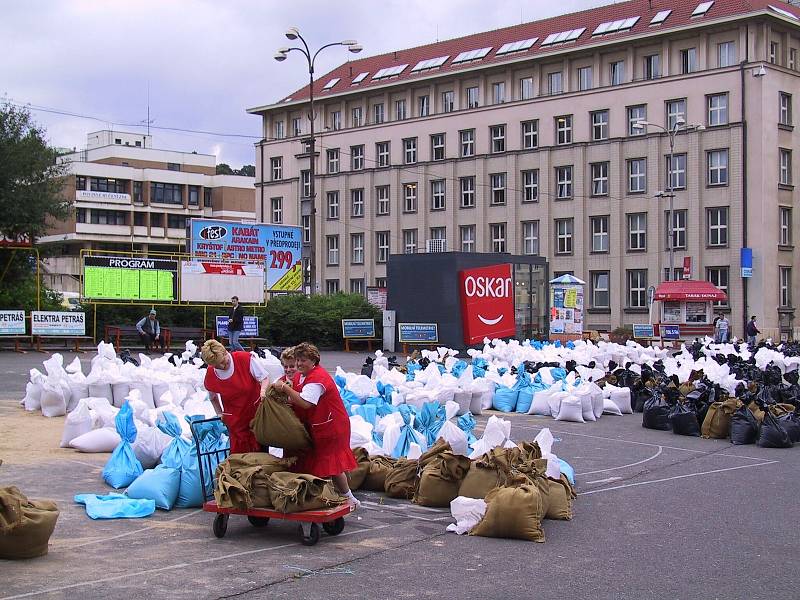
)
(744, 171)
(261, 179)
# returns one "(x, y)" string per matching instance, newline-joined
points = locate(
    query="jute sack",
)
(242, 478)
(356, 477)
(757, 411)
(275, 424)
(296, 492)
(25, 525)
(490, 471)
(379, 468)
(530, 450)
(717, 423)
(557, 497)
(401, 481)
(512, 512)
(778, 410)
(441, 478)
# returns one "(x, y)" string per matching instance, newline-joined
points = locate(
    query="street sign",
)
(746, 260)
(642, 331)
(670, 332)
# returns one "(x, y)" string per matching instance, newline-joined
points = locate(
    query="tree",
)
(247, 171)
(224, 169)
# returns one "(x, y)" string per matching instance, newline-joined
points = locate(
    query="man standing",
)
(150, 332)
(235, 324)
(751, 331)
(723, 325)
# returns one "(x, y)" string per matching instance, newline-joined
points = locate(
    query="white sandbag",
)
(414, 451)
(497, 433)
(463, 399)
(476, 403)
(103, 414)
(585, 396)
(104, 439)
(74, 366)
(610, 407)
(179, 392)
(199, 404)
(418, 398)
(467, 513)
(622, 398)
(541, 403)
(362, 386)
(54, 404)
(119, 392)
(360, 431)
(571, 409)
(78, 422)
(101, 390)
(150, 444)
(596, 393)
(270, 363)
(141, 412)
(145, 389)
(33, 396)
(555, 400)
(443, 395)
(159, 389)
(78, 390)
(451, 433)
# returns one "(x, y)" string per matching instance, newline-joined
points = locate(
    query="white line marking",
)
(127, 533)
(656, 455)
(606, 480)
(367, 505)
(86, 464)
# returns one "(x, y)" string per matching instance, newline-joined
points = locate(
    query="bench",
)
(18, 339)
(348, 341)
(197, 334)
(116, 333)
(75, 339)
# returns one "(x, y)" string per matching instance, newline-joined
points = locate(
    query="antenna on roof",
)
(437, 32)
(148, 121)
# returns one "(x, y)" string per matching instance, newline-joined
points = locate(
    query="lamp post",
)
(677, 127)
(293, 33)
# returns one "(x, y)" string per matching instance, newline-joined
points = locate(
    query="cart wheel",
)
(220, 525)
(334, 527)
(258, 521)
(311, 539)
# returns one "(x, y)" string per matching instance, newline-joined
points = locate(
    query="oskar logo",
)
(487, 303)
(213, 232)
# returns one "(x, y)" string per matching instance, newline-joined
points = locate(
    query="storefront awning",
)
(689, 290)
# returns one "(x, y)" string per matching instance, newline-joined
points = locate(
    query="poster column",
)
(566, 308)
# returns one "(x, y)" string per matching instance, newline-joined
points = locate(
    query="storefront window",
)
(696, 312)
(672, 312)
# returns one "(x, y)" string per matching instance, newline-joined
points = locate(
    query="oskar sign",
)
(487, 303)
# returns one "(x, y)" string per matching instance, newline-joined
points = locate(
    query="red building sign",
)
(487, 303)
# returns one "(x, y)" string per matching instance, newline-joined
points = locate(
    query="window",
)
(437, 195)
(472, 97)
(357, 248)
(599, 125)
(652, 67)
(785, 232)
(467, 234)
(678, 229)
(526, 88)
(467, 142)
(717, 109)
(793, 58)
(276, 167)
(410, 151)
(635, 115)
(438, 233)
(785, 275)
(305, 225)
(498, 136)
(357, 157)
(382, 154)
(530, 134)
(423, 106)
(377, 113)
(726, 54)
(497, 233)
(554, 83)
(773, 52)
(333, 160)
(357, 202)
(448, 101)
(688, 60)
(637, 232)
(437, 146)
(564, 130)
(296, 127)
(356, 116)
(138, 218)
(173, 221)
(564, 236)
(166, 193)
(637, 288)
(676, 112)
(409, 241)
(718, 276)
(331, 286)
(676, 171)
(277, 210)
(599, 179)
(530, 185)
(409, 197)
(305, 182)
(382, 246)
(785, 167)
(600, 292)
(173, 166)
(599, 233)
(156, 220)
(357, 286)
(564, 182)
(137, 193)
(498, 183)
(336, 120)
(104, 184)
(332, 244)
(498, 92)
(784, 108)
(530, 237)
(717, 226)
(206, 197)
(585, 78)
(115, 217)
(617, 72)
(382, 200)
(637, 175)
(717, 167)
(467, 192)
(332, 201)
(400, 110)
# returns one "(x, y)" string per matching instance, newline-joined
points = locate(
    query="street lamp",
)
(293, 33)
(677, 127)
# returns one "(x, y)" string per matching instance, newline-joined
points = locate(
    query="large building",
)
(531, 140)
(129, 196)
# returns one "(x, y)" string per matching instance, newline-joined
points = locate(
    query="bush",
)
(168, 316)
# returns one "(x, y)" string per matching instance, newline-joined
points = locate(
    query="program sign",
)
(487, 303)
(58, 323)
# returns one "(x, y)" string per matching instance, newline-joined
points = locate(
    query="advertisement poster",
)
(418, 332)
(129, 278)
(566, 309)
(58, 323)
(203, 281)
(377, 297)
(487, 303)
(250, 326)
(358, 328)
(12, 322)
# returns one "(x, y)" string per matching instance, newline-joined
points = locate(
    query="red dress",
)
(329, 427)
(241, 395)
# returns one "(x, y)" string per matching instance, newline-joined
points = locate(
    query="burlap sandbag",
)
(401, 481)
(530, 450)
(757, 411)
(512, 512)
(356, 477)
(242, 478)
(780, 409)
(717, 423)
(490, 471)
(296, 492)
(25, 525)
(441, 478)
(557, 497)
(275, 424)
(379, 468)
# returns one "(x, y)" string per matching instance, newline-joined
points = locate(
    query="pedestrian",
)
(149, 331)
(716, 329)
(724, 326)
(315, 398)
(235, 324)
(237, 384)
(751, 331)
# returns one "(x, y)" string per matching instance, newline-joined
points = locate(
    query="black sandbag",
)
(792, 377)
(791, 423)
(744, 427)
(655, 414)
(771, 433)
(684, 420)
(641, 395)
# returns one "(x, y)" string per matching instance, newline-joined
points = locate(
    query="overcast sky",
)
(206, 61)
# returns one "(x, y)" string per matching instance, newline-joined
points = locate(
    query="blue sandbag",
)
(558, 373)
(123, 467)
(425, 422)
(173, 454)
(458, 368)
(567, 470)
(571, 345)
(212, 438)
(161, 485)
(115, 506)
(407, 434)
(525, 397)
(479, 366)
(340, 381)
(348, 398)
(505, 398)
(466, 423)
(368, 412)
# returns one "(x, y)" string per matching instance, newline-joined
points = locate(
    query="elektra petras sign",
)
(487, 303)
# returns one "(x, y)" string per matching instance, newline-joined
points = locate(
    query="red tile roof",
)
(590, 19)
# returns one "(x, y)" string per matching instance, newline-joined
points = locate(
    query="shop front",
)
(686, 309)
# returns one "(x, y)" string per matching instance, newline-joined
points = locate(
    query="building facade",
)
(531, 140)
(131, 197)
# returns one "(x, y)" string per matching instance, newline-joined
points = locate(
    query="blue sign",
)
(670, 332)
(424, 333)
(642, 331)
(746, 259)
(358, 328)
(250, 326)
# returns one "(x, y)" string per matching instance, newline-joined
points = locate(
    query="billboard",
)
(487, 303)
(58, 323)
(129, 278)
(12, 322)
(209, 281)
(250, 326)
(279, 247)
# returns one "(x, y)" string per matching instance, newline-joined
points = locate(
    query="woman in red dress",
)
(241, 382)
(316, 400)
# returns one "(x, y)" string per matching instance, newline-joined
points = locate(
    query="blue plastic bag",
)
(571, 345)
(123, 467)
(505, 398)
(407, 434)
(458, 368)
(348, 398)
(425, 422)
(411, 368)
(173, 454)
(368, 412)
(558, 373)
(385, 390)
(211, 438)
(525, 388)
(466, 423)
(567, 470)
(115, 506)
(340, 381)
(161, 485)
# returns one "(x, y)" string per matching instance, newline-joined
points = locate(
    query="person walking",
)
(751, 331)
(235, 324)
(149, 331)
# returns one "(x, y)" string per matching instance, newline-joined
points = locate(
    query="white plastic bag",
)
(360, 431)
(610, 407)
(463, 399)
(54, 404)
(159, 389)
(584, 395)
(145, 389)
(33, 392)
(451, 433)
(622, 398)
(497, 433)
(150, 444)
(101, 390)
(104, 439)
(362, 386)
(78, 422)
(467, 512)
(103, 414)
(571, 409)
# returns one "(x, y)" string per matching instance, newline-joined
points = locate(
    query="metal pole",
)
(312, 186)
(671, 195)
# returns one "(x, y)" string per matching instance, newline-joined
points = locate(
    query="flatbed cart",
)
(331, 519)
